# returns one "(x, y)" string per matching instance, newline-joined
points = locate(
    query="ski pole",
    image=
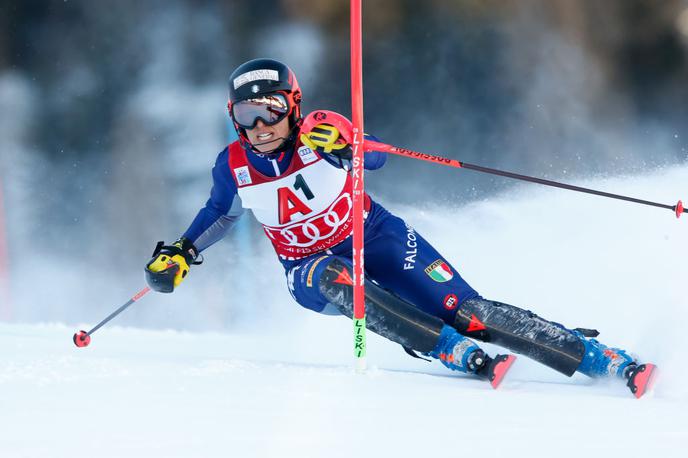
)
(83, 338)
(384, 147)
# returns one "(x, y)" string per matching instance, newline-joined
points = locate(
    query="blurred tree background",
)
(112, 112)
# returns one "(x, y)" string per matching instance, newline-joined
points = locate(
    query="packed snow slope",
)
(281, 384)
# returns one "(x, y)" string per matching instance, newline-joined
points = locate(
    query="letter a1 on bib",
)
(289, 203)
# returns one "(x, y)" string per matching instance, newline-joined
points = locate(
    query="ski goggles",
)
(270, 109)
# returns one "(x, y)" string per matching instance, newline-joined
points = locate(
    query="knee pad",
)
(521, 331)
(386, 314)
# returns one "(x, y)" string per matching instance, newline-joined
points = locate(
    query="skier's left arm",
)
(170, 264)
(374, 159)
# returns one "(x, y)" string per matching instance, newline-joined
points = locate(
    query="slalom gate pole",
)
(83, 338)
(5, 305)
(384, 147)
(358, 184)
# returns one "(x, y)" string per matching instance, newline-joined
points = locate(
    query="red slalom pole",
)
(83, 338)
(5, 306)
(370, 145)
(358, 184)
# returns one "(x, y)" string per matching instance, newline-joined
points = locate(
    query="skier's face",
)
(267, 138)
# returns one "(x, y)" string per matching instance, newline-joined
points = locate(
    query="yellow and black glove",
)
(170, 264)
(325, 138)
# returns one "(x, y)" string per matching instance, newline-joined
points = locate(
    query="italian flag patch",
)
(439, 271)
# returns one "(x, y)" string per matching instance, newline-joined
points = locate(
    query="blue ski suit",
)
(397, 257)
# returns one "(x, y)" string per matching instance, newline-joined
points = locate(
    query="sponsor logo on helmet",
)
(243, 175)
(450, 301)
(255, 75)
(439, 271)
(307, 155)
(255, 88)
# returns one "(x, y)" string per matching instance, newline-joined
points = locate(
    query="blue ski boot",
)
(602, 361)
(461, 354)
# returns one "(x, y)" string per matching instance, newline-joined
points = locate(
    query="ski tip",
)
(643, 380)
(501, 366)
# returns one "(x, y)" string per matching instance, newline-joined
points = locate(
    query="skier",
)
(297, 183)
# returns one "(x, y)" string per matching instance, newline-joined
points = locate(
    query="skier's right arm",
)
(170, 264)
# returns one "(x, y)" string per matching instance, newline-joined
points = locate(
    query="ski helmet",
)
(259, 80)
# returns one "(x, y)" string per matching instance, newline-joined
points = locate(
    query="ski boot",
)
(602, 361)
(461, 354)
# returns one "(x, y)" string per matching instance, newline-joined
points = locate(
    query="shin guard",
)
(386, 314)
(521, 331)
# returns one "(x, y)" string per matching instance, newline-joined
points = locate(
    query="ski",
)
(641, 379)
(496, 368)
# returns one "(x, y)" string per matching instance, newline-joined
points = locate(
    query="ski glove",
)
(325, 138)
(170, 264)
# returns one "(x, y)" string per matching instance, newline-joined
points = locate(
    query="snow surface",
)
(287, 388)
